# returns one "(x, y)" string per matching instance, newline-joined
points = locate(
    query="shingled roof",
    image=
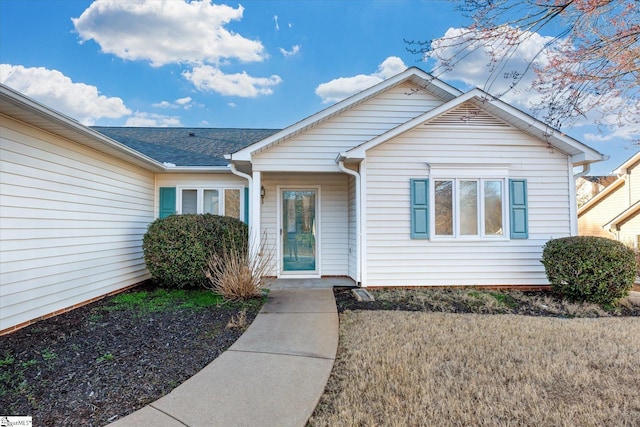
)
(185, 146)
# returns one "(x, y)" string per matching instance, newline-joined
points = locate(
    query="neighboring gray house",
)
(408, 183)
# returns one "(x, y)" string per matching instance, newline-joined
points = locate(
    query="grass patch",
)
(12, 378)
(161, 300)
(105, 358)
(397, 368)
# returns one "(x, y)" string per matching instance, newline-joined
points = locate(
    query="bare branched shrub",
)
(239, 273)
(239, 321)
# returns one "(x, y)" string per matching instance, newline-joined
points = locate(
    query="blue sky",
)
(258, 64)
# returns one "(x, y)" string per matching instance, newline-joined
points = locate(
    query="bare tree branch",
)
(589, 63)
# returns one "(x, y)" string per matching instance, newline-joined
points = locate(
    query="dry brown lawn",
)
(400, 368)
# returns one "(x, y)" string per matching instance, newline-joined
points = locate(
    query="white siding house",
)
(408, 183)
(72, 217)
(399, 146)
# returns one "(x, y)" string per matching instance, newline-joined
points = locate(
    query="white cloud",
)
(185, 103)
(163, 104)
(208, 78)
(141, 119)
(617, 125)
(294, 50)
(166, 32)
(275, 18)
(55, 90)
(177, 32)
(343, 87)
(472, 69)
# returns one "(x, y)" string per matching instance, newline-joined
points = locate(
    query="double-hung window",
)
(217, 201)
(466, 208)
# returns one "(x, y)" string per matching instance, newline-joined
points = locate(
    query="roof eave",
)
(580, 153)
(197, 169)
(623, 216)
(601, 195)
(622, 169)
(22, 108)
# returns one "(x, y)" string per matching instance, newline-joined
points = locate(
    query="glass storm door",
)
(299, 231)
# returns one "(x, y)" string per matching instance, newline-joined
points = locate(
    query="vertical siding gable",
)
(467, 114)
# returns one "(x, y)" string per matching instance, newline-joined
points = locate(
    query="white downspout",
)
(573, 201)
(585, 170)
(356, 175)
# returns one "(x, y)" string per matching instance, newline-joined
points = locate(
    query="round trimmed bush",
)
(177, 248)
(589, 269)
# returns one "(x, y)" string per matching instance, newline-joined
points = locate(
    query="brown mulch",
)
(455, 300)
(93, 365)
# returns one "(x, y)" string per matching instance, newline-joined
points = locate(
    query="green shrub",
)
(589, 269)
(177, 248)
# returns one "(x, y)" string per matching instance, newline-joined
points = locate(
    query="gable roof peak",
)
(412, 74)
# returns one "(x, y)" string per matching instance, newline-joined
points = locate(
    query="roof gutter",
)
(36, 109)
(170, 168)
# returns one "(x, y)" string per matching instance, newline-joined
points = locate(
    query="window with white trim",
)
(465, 207)
(216, 201)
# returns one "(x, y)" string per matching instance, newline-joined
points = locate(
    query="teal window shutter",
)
(246, 205)
(419, 208)
(167, 201)
(519, 222)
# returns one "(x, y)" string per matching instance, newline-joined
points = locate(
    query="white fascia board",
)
(197, 169)
(410, 73)
(20, 107)
(586, 157)
(580, 153)
(622, 169)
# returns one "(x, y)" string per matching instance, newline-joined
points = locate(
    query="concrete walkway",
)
(273, 375)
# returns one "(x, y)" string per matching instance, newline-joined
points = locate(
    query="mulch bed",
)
(92, 365)
(522, 303)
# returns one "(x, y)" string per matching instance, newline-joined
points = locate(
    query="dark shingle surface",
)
(185, 146)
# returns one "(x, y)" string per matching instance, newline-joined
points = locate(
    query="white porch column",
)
(255, 208)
